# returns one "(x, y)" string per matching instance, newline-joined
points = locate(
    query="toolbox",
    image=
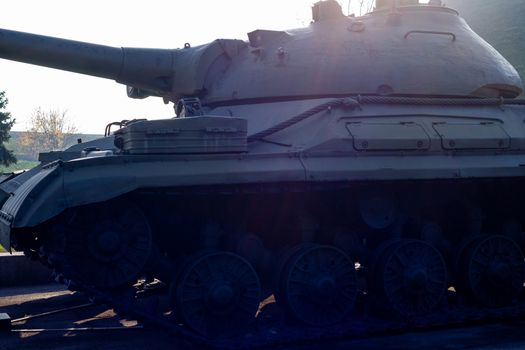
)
(203, 134)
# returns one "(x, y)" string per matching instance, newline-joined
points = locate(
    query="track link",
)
(268, 333)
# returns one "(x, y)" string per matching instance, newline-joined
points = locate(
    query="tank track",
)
(267, 333)
(369, 318)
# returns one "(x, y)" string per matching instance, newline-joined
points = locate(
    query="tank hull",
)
(360, 168)
(369, 185)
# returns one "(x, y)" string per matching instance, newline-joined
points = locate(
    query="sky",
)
(92, 102)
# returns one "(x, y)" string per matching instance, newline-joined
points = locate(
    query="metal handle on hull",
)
(430, 32)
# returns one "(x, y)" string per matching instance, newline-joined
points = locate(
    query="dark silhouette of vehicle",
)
(357, 165)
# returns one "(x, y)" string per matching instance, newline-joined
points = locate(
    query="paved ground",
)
(19, 302)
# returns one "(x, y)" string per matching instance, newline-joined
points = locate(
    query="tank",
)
(360, 169)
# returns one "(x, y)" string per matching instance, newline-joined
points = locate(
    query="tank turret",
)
(396, 50)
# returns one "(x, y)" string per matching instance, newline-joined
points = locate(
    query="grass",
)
(20, 165)
(2, 250)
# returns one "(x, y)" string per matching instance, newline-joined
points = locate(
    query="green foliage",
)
(19, 165)
(22, 152)
(48, 132)
(6, 123)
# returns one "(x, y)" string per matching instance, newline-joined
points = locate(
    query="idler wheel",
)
(317, 285)
(410, 276)
(491, 270)
(107, 245)
(217, 294)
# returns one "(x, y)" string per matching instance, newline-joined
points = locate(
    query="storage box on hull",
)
(206, 134)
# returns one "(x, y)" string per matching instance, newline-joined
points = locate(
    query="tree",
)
(6, 123)
(48, 131)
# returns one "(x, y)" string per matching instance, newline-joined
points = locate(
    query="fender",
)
(61, 185)
(47, 194)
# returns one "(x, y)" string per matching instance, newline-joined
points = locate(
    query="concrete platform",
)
(22, 301)
(17, 270)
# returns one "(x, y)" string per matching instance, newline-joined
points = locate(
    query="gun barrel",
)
(143, 68)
